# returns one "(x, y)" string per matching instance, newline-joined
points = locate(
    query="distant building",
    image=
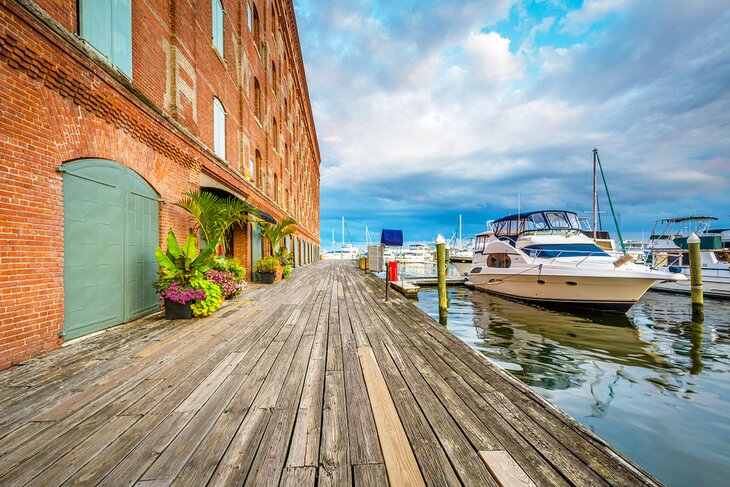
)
(112, 109)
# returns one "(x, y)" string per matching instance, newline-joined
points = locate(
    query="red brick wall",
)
(61, 103)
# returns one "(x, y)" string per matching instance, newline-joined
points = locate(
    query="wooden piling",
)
(695, 271)
(441, 275)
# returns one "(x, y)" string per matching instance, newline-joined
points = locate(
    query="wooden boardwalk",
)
(313, 381)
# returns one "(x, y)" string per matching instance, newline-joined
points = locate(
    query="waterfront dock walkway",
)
(312, 381)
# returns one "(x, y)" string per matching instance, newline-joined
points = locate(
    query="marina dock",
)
(313, 381)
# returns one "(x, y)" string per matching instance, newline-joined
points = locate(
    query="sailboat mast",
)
(343, 232)
(595, 195)
(460, 246)
(333, 240)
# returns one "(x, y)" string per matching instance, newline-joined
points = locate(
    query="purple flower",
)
(182, 294)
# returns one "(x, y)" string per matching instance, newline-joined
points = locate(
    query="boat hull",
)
(575, 292)
(710, 288)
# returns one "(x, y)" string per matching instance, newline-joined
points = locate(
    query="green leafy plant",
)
(267, 264)
(287, 271)
(181, 264)
(215, 216)
(213, 298)
(275, 234)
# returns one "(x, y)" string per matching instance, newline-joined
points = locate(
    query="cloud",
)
(426, 109)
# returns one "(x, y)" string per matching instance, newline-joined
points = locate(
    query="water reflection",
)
(652, 383)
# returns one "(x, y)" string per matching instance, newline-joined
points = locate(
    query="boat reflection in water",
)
(651, 383)
(536, 338)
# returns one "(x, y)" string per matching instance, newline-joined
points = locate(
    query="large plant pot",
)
(266, 277)
(279, 273)
(177, 311)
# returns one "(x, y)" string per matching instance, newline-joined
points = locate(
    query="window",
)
(107, 26)
(219, 128)
(275, 135)
(218, 25)
(498, 260)
(276, 188)
(250, 17)
(258, 38)
(258, 176)
(258, 104)
(252, 168)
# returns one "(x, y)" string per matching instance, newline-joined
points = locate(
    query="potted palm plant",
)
(275, 234)
(215, 216)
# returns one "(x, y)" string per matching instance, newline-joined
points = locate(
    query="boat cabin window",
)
(557, 219)
(479, 245)
(564, 250)
(498, 260)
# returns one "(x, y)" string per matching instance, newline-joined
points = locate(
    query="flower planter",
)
(177, 311)
(266, 277)
(279, 272)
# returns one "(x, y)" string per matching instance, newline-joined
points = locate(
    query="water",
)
(650, 383)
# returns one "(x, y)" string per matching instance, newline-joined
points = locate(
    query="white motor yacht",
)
(416, 254)
(545, 257)
(346, 252)
(667, 251)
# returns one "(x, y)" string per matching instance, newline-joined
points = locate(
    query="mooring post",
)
(441, 274)
(695, 275)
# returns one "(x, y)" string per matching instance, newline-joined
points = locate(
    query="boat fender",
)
(623, 260)
(675, 269)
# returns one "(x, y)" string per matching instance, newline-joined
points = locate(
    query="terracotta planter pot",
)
(177, 311)
(279, 273)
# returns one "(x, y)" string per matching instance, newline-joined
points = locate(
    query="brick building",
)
(112, 109)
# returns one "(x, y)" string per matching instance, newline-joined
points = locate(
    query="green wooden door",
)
(110, 234)
(256, 247)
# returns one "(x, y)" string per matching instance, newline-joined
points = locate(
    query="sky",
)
(426, 110)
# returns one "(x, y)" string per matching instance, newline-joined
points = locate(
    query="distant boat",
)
(544, 257)
(459, 252)
(345, 252)
(416, 254)
(667, 251)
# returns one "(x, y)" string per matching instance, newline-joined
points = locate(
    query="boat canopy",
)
(536, 221)
(687, 219)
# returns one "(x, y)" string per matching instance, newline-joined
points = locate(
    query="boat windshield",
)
(564, 250)
(536, 221)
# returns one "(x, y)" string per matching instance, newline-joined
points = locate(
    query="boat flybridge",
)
(545, 257)
(668, 251)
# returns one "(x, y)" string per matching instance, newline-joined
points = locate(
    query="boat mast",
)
(333, 240)
(460, 246)
(343, 232)
(595, 194)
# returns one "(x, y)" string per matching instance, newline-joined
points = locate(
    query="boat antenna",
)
(610, 204)
(518, 212)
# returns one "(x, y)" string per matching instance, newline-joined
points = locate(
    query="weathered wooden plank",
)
(298, 477)
(504, 468)
(363, 436)
(70, 463)
(370, 475)
(304, 448)
(334, 465)
(400, 462)
(235, 464)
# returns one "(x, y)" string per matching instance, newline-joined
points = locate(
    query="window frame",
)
(218, 27)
